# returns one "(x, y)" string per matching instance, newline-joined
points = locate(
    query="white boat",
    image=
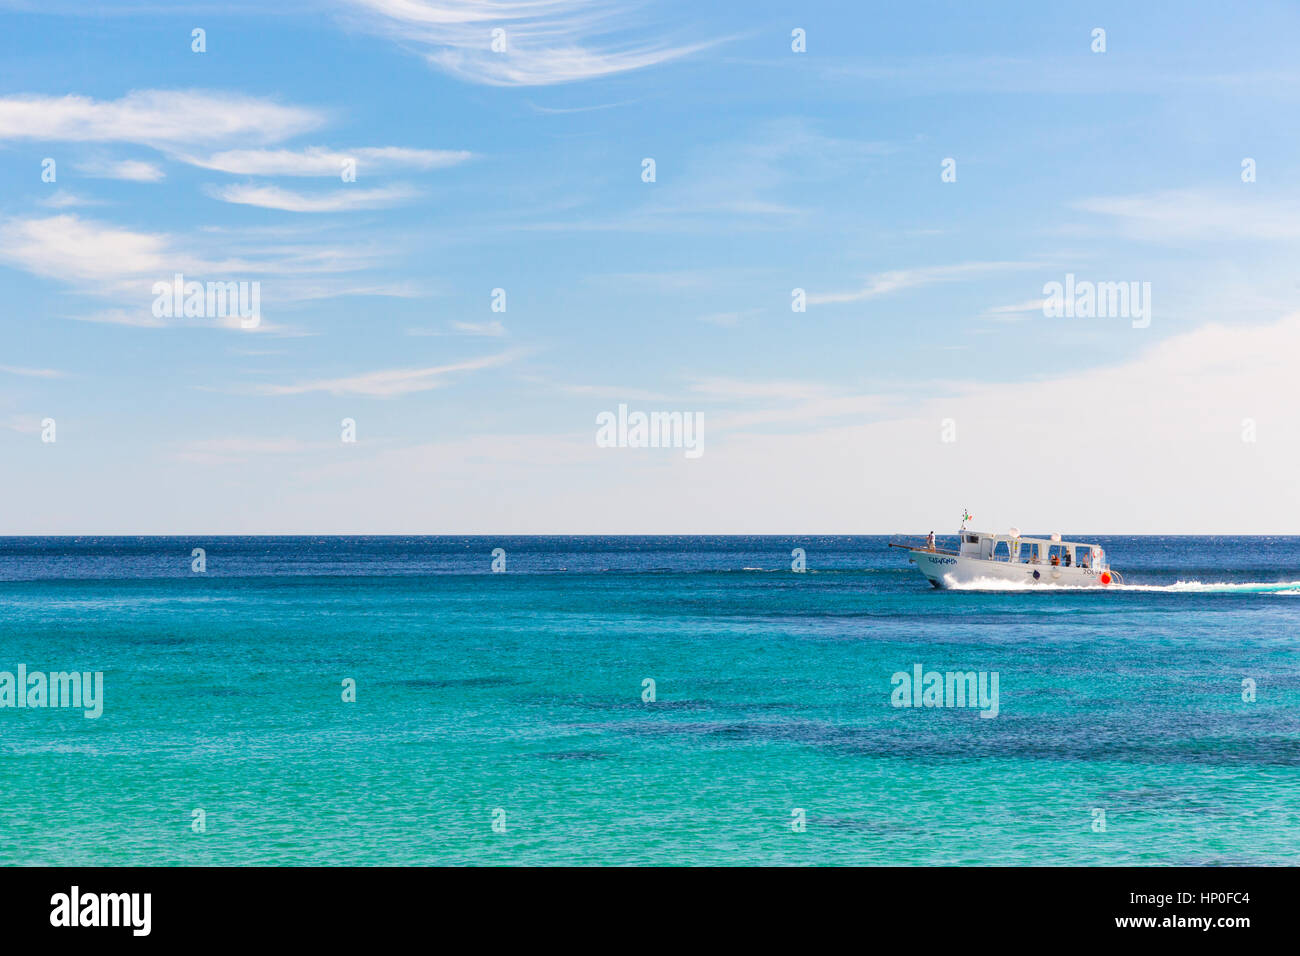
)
(996, 558)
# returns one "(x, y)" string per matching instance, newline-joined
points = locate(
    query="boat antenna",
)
(965, 516)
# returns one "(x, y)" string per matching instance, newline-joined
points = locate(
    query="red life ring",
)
(1105, 577)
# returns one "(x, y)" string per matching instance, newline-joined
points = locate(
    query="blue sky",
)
(522, 170)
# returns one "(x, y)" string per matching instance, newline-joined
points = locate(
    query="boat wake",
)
(1184, 587)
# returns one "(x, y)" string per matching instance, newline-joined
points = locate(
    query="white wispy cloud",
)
(131, 170)
(62, 199)
(546, 41)
(730, 388)
(165, 119)
(104, 258)
(854, 408)
(896, 280)
(727, 320)
(142, 318)
(388, 383)
(31, 372)
(333, 287)
(1049, 74)
(119, 266)
(222, 451)
(322, 161)
(493, 329)
(23, 424)
(752, 178)
(78, 250)
(1181, 214)
(613, 393)
(563, 110)
(178, 123)
(1015, 313)
(344, 199)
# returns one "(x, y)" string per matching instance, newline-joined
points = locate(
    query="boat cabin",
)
(1017, 549)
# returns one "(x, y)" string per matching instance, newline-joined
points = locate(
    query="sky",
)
(462, 262)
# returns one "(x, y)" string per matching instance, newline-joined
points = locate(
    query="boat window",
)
(972, 538)
(1002, 551)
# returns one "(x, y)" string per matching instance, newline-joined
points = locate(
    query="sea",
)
(643, 700)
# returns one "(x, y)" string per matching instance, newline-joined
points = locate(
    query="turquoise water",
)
(522, 692)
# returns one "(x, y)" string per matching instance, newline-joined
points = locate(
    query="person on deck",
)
(929, 541)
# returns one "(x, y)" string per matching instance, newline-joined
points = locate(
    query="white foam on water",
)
(1185, 587)
(998, 584)
(1221, 587)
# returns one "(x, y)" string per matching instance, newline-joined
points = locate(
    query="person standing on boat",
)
(929, 541)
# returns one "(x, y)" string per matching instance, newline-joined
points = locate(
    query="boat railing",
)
(922, 546)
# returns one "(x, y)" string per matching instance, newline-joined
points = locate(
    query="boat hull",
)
(950, 570)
